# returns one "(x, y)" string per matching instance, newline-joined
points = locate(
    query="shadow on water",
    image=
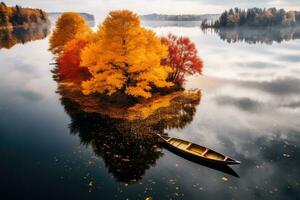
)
(128, 143)
(10, 37)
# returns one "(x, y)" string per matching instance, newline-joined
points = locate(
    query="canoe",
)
(196, 151)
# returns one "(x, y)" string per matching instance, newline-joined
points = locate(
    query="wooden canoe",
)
(197, 151)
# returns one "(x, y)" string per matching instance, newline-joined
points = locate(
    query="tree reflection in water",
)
(264, 35)
(126, 137)
(9, 37)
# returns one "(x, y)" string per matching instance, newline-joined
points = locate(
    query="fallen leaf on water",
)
(224, 178)
(91, 184)
(286, 155)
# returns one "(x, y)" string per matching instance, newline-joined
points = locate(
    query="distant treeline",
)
(254, 17)
(160, 17)
(86, 16)
(18, 16)
(90, 19)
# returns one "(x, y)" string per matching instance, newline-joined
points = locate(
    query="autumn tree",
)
(182, 58)
(18, 16)
(67, 27)
(69, 60)
(4, 14)
(125, 57)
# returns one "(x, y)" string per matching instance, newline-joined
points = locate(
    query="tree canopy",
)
(68, 25)
(121, 58)
(18, 16)
(69, 61)
(125, 57)
(182, 57)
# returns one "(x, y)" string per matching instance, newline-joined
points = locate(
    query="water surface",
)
(249, 109)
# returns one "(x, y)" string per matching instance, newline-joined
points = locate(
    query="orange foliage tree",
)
(5, 12)
(18, 16)
(125, 57)
(68, 25)
(182, 58)
(69, 61)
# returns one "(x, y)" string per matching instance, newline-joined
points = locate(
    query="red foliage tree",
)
(69, 68)
(182, 58)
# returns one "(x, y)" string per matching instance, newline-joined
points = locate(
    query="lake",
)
(249, 109)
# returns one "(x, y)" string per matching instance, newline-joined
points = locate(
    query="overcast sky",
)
(101, 7)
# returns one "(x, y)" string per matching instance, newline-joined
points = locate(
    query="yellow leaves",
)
(108, 81)
(88, 56)
(224, 178)
(157, 76)
(138, 92)
(123, 20)
(131, 54)
(68, 26)
(120, 57)
(148, 107)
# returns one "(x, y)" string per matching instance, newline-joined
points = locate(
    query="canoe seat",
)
(179, 143)
(188, 145)
(196, 149)
(182, 145)
(204, 152)
(213, 155)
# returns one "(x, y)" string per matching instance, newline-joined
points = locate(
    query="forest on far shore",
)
(18, 16)
(254, 17)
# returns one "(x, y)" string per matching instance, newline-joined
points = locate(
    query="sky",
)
(100, 8)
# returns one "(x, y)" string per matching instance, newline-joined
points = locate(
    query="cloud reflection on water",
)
(249, 110)
(252, 118)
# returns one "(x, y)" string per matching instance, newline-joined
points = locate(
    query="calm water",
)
(249, 109)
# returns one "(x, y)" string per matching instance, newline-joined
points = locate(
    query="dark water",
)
(248, 108)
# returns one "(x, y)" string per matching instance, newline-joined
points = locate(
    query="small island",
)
(254, 17)
(21, 17)
(122, 65)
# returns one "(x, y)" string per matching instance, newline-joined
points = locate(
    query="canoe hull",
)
(216, 166)
(196, 158)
